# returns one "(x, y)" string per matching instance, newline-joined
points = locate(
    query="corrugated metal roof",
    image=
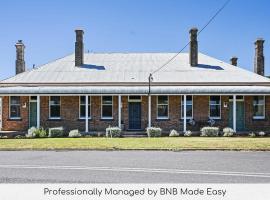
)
(135, 68)
(142, 90)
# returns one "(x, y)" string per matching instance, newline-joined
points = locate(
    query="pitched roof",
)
(131, 68)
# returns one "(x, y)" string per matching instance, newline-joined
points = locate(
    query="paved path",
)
(134, 167)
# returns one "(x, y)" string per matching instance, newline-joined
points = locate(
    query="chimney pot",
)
(193, 52)
(20, 63)
(259, 57)
(234, 61)
(79, 48)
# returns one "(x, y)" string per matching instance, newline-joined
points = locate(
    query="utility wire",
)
(209, 21)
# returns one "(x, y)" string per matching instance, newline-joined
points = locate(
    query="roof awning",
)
(142, 90)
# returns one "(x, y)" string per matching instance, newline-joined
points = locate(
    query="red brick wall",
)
(15, 125)
(70, 114)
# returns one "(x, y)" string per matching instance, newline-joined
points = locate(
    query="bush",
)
(209, 131)
(174, 133)
(3, 137)
(41, 132)
(252, 134)
(56, 132)
(113, 132)
(31, 132)
(188, 134)
(228, 132)
(153, 131)
(19, 137)
(74, 133)
(262, 134)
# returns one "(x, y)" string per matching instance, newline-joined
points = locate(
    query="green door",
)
(240, 118)
(33, 114)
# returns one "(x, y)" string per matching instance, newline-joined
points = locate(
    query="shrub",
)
(252, 134)
(174, 133)
(188, 134)
(228, 132)
(19, 137)
(153, 131)
(209, 131)
(262, 134)
(3, 137)
(31, 132)
(56, 132)
(113, 132)
(74, 133)
(41, 132)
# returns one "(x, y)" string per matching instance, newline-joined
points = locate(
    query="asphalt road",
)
(134, 167)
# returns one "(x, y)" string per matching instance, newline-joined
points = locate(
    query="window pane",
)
(82, 111)
(15, 111)
(14, 100)
(189, 111)
(82, 99)
(134, 97)
(107, 111)
(55, 111)
(214, 99)
(162, 99)
(258, 100)
(259, 111)
(214, 110)
(107, 100)
(188, 100)
(55, 100)
(163, 111)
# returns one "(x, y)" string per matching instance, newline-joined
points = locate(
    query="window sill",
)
(54, 119)
(163, 119)
(14, 119)
(83, 119)
(258, 119)
(215, 118)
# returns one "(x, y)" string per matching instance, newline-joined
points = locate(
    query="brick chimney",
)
(234, 61)
(20, 63)
(259, 57)
(193, 51)
(79, 48)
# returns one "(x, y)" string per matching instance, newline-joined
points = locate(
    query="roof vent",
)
(234, 61)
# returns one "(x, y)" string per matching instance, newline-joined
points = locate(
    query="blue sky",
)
(47, 28)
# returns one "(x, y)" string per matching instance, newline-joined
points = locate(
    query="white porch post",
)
(149, 110)
(86, 114)
(119, 110)
(185, 113)
(38, 111)
(234, 112)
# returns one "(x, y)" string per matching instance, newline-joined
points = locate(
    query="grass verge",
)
(164, 143)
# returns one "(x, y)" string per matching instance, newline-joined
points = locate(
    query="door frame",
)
(135, 101)
(244, 114)
(29, 111)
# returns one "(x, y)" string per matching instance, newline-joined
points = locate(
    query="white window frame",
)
(182, 105)
(163, 117)
(9, 106)
(209, 105)
(135, 100)
(259, 117)
(89, 104)
(107, 105)
(50, 108)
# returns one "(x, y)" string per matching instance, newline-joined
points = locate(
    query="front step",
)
(134, 134)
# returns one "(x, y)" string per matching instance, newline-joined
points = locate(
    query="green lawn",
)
(164, 143)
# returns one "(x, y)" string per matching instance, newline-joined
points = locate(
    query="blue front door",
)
(134, 114)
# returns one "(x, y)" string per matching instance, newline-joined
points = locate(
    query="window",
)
(162, 107)
(258, 107)
(107, 107)
(214, 107)
(14, 108)
(82, 107)
(55, 107)
(189, 109)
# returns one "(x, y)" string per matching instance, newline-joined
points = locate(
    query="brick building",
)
(91, 91)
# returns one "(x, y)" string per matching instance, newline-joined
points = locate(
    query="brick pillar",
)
(234, 61)
(79, 48)
(20, 63)
(259, 57)
(193, 52)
